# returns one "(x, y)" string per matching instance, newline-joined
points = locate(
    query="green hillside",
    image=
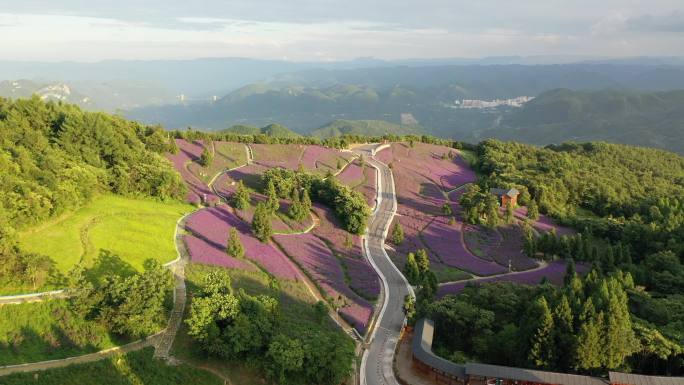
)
(654, 119)
(363, 127)
(273, 130)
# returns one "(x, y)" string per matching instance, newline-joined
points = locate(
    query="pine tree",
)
(397, 234)
(261, 223)
(296, 210)
(564, 338)
(620, 341)
(446, 209)
(306, 201)
(570, 272)
(509, 215)
(423, 261)
(235, 248)
(272, 201)
(532, 210)
(542, 344)
(411, 270)
(608, 260)
(492, 211)
(206, 158)
(241, 197)
(589, 352)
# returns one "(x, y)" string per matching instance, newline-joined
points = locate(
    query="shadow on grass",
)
(108, 263)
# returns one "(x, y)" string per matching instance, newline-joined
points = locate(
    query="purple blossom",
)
(211, 226)
(554, 272)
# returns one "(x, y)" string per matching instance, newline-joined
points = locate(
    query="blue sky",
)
(327, 30)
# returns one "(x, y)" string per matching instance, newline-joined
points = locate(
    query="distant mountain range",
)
(654, 119)
(111, 96)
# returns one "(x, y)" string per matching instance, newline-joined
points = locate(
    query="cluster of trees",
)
(482, 208)
(349, 206)
(628, 203)
(242, 327)
(55, 157)
(286, 137)
(584, 326)
(132, 305)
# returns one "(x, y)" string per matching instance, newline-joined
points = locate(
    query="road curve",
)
(376, 364)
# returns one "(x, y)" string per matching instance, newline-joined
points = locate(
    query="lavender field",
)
(554, 272)
(209, 227)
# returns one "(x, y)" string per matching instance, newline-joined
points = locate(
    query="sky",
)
(326, 30)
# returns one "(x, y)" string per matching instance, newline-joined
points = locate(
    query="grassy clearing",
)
(296, 308)
(48, 330)
(132, 229)
(126, 369)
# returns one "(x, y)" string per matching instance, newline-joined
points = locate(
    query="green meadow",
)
(131, 229)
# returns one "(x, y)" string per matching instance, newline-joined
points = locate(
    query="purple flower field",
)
(278, 155)
(204, 251)
(363, 278)
(352, 175)
(187, 153)
(313, 255)
(211, 225)
(446, 241)
(554, 272)
(544, 224)
(320, 159)
(330, 229)
(500, 245)
(368, 188)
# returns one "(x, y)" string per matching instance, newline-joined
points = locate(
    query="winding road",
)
(377, 360)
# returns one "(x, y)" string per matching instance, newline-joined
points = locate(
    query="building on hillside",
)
(506, 196)
(444, 372)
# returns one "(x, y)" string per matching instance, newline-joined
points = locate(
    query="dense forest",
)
(55, 157)
(233, 325)
(628, 204)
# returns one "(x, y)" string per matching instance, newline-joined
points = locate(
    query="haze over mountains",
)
(620, 100)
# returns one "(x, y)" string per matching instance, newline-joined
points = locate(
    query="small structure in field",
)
(506, 196)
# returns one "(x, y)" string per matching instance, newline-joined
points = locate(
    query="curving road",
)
(377, 361)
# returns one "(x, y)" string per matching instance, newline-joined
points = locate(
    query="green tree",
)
(286, 357)
(563, 334)
(261, 222)
(241, 197)
(296, 210)
(589, 355)
(446, 209)
(509, 215)
(542, 345)
(272, 201)
(397, 234)
(206, 158)
(423, 261)
(492, 211)
(235, 248)
(411, 270)
(532, 210)
(306, 201)
(620, 341)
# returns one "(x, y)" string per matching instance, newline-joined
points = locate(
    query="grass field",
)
(131, 229)
(136, 368)
(47, 330)
(296, 310)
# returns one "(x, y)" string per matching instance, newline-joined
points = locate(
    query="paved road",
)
(376, 364)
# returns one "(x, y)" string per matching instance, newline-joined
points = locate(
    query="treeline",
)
(334, 142)
(627, 202)
(240, 327)
(55, 157)
(349, 206)
(584, 326)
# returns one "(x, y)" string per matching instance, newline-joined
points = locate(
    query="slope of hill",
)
(273, 129)
(363, 127)
(654, 119)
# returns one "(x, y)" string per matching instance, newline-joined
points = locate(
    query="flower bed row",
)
(554, 272)
(209, 235)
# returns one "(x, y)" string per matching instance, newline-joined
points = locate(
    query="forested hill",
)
(54, 157)
(272, 130)
(654, 119)
(364, 127)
